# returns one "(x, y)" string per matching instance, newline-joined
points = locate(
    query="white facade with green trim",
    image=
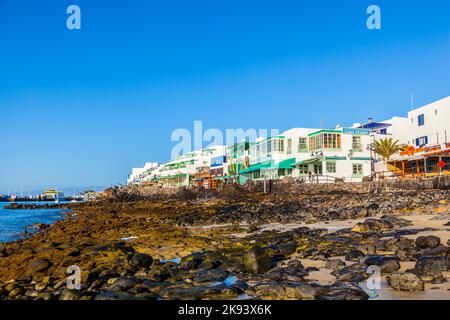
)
(312, 155)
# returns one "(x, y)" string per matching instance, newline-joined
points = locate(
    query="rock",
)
(46, 296)
(354, 273)
(404, 243)
(396, 221)
(141, 260)
(38, 266)
(122, 284)
(69, 294)
(286, 290)
(240, 286)
(402, 255)
(11, 286)
(108, 273)
(432, 265)
(342, 291)
(210, 291)
(192, 261)
(334, 264)
(354, 255)
(428, 242)
(3, 253)
(257, 261)
(160, 273)
(367, 248)
(373, 225)
(293, 272)
(16, 292)
(404, 249)
(214, 275)
(40, 287)
(405, 281)
(60, 284)
(32, 293)
(114, 295)
(386, 264)
(439, 280)
(440, 250)
(207, 265)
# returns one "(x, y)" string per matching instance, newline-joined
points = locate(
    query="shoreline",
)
(124, 248)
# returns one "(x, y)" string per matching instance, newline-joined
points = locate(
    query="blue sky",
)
(83, 107)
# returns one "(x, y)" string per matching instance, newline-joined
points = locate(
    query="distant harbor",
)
(51, 195)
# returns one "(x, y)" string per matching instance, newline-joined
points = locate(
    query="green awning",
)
(285, 164)
(307, 161)
(257, 167)
(335, 158)
(173, 176)
(360, 158)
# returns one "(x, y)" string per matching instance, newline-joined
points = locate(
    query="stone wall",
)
(286, 186)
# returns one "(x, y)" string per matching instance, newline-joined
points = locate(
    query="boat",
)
(53, 194)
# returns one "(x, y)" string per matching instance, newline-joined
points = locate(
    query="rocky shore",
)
(315, 243)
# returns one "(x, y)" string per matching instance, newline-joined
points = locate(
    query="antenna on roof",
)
(412, 101)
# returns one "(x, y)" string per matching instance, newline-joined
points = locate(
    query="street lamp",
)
(371, 147)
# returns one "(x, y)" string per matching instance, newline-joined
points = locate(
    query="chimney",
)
(370, 120)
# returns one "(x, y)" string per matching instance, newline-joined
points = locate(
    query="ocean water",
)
(14, 222)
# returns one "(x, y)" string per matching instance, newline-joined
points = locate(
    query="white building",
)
(182, 172)
(429, 125)
(312, 155)
(315, 154)
(426, 133)
(139, 175)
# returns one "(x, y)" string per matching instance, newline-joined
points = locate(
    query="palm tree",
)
(386, 148)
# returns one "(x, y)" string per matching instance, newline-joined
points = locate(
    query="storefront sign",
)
(218, 161)
(356, 131)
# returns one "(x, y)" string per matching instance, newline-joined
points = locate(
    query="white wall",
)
(437, 123)
(399, 129)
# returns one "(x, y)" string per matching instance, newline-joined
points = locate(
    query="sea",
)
(14, 222)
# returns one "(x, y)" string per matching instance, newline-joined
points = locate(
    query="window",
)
(356, 143)
(357, 170)
(303, 169)
(274, 145)
(422, 141)
(421, 120)
(281, 145)
(325, 141)
(318, 169)
(331, 167)
(302, 145)
(289, 146)
(383, 131)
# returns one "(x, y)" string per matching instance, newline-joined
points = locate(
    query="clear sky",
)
(83, 107)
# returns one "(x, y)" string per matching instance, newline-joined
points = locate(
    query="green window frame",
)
(331, 167)
(302, 145)
(356, 143)
(303, 168)
(357, 170)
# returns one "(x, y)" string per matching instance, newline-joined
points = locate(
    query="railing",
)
(408, 174)
(317, 179)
